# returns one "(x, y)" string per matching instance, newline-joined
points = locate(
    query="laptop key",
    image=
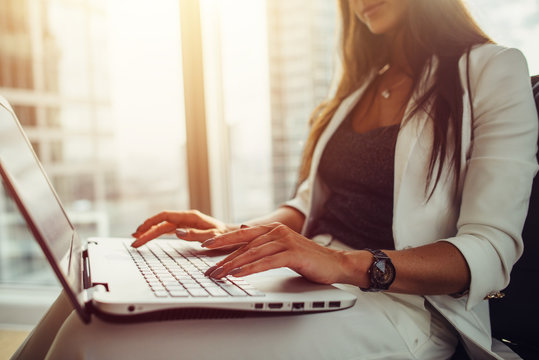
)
(216, 291)
(200, 292)
(253, 292)
(233, 290)
(192, 286)
(179, 293)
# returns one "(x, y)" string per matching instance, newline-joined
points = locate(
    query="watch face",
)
(383, 272)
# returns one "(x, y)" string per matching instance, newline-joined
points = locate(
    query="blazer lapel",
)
(407, 138)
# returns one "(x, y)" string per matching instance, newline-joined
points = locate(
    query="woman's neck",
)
(397, 53)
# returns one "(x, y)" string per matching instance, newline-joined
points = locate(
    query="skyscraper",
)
(302, 36)
(53, 70)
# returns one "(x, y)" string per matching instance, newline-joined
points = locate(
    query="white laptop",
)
(159, 281)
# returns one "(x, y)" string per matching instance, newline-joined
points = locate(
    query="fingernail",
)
(243, 226)
(210, 270)
(235, 271)
(181, 232)
(208, 242)
(135, 243)
(217, 272)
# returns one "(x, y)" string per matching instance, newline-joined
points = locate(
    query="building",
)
(53, 70)
(301, 42)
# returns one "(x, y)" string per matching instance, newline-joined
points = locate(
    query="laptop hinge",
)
(88, 294)
(89, 287)
(86, 277)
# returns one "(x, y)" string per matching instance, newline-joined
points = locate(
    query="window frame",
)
(195, 107)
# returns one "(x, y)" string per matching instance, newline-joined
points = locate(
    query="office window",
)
(267, 64)
(511, 23)
(97, 86)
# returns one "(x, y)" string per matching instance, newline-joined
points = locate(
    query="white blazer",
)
(498, 165)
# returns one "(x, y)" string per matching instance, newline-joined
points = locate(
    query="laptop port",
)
(259, 306)
(318, 305)
(298, 306)
(334, 304)
(275, 305)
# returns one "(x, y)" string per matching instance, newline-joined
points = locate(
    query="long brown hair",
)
(440, 28)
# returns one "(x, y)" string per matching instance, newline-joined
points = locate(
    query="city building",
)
(54, 72)
(301, 41)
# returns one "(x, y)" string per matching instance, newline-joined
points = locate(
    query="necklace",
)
(386, 92)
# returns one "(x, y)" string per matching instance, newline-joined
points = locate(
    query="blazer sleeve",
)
(500, 170)
(301, 201)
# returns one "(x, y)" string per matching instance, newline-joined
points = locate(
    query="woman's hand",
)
(189, 225)
(273, 246)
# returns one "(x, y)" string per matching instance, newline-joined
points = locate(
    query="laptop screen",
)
(30, 188)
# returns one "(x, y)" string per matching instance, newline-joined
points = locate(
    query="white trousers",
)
(379, 326)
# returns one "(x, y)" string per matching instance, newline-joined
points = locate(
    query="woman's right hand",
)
(189, 225)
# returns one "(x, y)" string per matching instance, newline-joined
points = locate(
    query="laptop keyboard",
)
(170, 273)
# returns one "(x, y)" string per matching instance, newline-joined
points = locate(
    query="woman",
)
(426, 154)
(467, 132)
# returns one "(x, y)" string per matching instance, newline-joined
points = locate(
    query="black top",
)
(359, 171)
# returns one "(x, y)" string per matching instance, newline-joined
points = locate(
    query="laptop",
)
(162, 280)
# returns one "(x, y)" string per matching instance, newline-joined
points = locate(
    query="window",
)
(511, 23)
(264, 72)
(100, 98)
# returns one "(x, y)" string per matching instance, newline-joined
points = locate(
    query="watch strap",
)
(381, 262)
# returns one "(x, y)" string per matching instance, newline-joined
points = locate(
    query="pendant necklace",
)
(386, 92)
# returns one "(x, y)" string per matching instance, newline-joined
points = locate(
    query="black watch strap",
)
(381, 272)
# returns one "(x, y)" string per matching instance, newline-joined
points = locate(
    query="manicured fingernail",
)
(181, 232)
(210, 270)
(235, 271)
(217, 272)
(135, 243)
(243, 226)
(208, 242)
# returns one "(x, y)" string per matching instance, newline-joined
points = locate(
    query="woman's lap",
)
(378, 326)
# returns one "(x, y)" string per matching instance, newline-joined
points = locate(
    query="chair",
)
(514, 318)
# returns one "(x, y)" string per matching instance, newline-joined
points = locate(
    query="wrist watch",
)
(381, 273)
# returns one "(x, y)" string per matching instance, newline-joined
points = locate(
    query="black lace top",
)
(359, 171)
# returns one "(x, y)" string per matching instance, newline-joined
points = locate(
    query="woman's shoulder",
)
(494, 55)
(489, 49)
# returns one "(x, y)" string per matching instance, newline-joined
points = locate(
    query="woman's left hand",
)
(274, 246)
